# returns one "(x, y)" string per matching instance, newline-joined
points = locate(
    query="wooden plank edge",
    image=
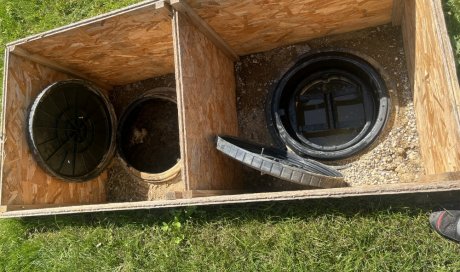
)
(16, 50)
(198, 22)
(174, 195)
(200, 193)
(398, 12)
(92, 20)
(180, 98)
(206, 193)
(448, 58)
(2, 118)
(371, 190)
(9, 208)
(440, 177)
(164, 9)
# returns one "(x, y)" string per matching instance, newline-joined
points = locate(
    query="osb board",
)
(250, 26)
(435, 83)
(377, 190)
(2, 114)
(23, 181)
(207, 105)
(398, 11)
(118, 48)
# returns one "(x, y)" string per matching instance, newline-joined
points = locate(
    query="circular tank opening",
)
(71, 130)
(148, 136)
(330, 105)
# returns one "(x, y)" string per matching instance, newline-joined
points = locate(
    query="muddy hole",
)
(149, 135)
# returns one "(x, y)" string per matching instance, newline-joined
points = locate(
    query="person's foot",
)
(447, 224)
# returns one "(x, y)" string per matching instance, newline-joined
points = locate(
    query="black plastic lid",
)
(281, 164)
(71, 130)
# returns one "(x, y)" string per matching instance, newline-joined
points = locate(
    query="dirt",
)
(154, 131)
(122, 96)
(393, 158)
(150, 136)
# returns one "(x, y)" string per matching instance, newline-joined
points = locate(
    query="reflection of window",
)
(330, 105)
(332, 110)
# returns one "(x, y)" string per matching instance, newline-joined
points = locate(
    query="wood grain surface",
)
(434, 80)
(250, 26)
(118, 49)
(23, 181)
(207, 105)
(452, 186)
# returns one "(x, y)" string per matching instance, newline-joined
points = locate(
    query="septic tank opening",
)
(330, 105)
(148, 136)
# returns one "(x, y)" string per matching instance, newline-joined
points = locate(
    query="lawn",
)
(331, 235)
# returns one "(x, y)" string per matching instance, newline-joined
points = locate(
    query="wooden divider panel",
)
(250, 26)
(207, 105)
(434, 80)
(398, 12)
(23, 181)
(117, 48)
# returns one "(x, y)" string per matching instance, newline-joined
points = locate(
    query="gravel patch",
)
(393, 158)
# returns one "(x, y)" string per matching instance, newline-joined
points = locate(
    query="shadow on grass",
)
(369, 207)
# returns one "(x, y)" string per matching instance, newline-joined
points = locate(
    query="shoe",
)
(447, 224)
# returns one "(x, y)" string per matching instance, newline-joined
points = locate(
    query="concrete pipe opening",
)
(148, 136)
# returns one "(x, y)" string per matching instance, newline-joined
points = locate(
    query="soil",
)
(393, 158)
(150, 136)
(154, 131)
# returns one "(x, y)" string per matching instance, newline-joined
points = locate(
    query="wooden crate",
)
(199, 40)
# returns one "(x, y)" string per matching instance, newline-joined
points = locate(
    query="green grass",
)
(452, 11)
(337, 235)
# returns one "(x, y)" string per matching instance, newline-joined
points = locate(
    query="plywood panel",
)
(250, 26)
(436, 91)
(23, 182)
(398, 11)
(117, 48)
(452, 186)
(197, 21)
(55, 66)
(207, 105)
(2, 114)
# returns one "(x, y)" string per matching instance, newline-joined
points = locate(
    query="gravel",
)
(393, 158)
